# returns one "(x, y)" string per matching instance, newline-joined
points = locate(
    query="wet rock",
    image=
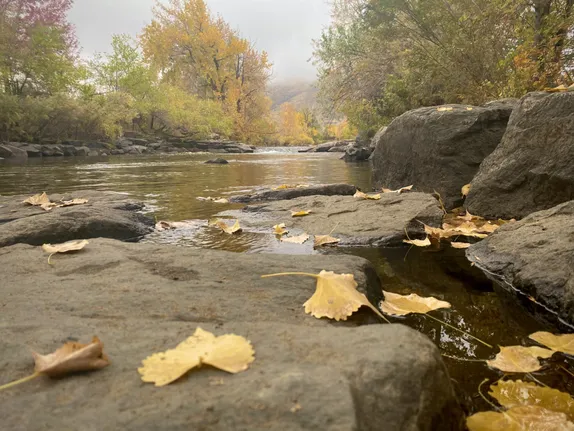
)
(356, 222)
(52, 151)
(357, 152)
(107, 214)
(82, 151)
(438, 150)
(329, 147)
(220, 147)
(218, 161)
(94, 153)
(286, 194)
(533, 167)
(69, 150)
(137, 149)
(533, 258)
(32, 150)
(12, 152)
(308, 373)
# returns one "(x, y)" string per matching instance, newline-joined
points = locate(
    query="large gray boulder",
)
(533, 167)
(308, 374)
(292, 193)
(381, 223)
(438, 148)
(357, 152)
(109, 215)
(12, 152)
(534, 258)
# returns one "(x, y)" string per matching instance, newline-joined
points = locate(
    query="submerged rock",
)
(438, 148)
(106, 214)
(140, 299)
(356, 222)
(292, 193)
(534, 258)
(218, 161)
(533, 167)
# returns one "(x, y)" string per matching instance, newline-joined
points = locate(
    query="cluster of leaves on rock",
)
(380, 58)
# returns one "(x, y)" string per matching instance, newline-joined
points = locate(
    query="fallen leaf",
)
(279, 229)
(526, 418)
(558, 89)
(295, 408)
(445, 109)
(291, 186)
(517, 393)
(561, 343)
(71, 358)
(228, 229)
(418, 242)
(465, 190)
(38, 200)
(401, 305)
(214, 200)
(300, 213)
(231, 353)
(321, 240)
(460, 245)
(66, 247)
(361, 195)
(399, 191)
(73, 202)
(519, 359)
(469, 108)
(300, 239)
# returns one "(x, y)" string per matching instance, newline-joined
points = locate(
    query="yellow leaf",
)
(465, 190)
(519, 359)
(321, 240)
(418, 242)
(38, 200)
(401, 305)
(469, 108)
(279, 229)
(361, 195)
(300, 213)
(399, 191)
(558, 89)
(230, 353)
(445, 109)
(517, 393)
(291, 186)
(460, 245)
(228, 229)
(71, 358)
(561, 343)
(300, 239)
(526, 418)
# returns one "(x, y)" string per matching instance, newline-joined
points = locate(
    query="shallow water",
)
(171, 184)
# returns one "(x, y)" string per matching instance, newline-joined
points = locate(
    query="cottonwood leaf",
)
(399, 191)
(525, 418)
(401, 305)
(73, 202)
(519, 359)
(300, 213)
(517, 393)
(38, 200)
(561, 343)
(71, 358)
(361, 195)
(228, 229)
(230, 353)
(279, 229)
(321, 240)
(460, 245)
(300, 239)
(465, 190)
(418, 242)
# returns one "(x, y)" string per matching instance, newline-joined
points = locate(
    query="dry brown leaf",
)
(517, 393)
(526, 418)
(300, 239)
(38, 200)
(321, 240)
(519, 359)
(300, 213)
(561, 343)
(465, 190)
(228, 229)
(231, 353)
(73, 202)
(66, 247)
(399, 191)
(361, 195)
(559, 89)
(401, 305)
(460, 245)
(469, 108)
(71, 358)
(445, 109)
(279, 229)
(418, 242)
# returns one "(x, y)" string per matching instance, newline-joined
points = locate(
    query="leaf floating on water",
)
(300, 213)
(228, 229)
(361, 195)
(230, 353)
(519, 359)
(321, 240)
(465, 190)
(526, 418)
(399, 191)
(279, 229)
(336, 296)
(460, 245)
(517, 393)
(561, 343)
(300, 239)
(418, 242)
(401, 305)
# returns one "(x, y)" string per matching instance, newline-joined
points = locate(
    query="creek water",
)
(171, 184)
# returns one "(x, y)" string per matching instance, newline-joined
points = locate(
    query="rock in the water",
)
(535, 257)
(108, 215)
(357, 152)
(309, 374)
(297, 192)
(533, 167)
(218, 161)
(12, 152)
(82, 151)
(438, 148)
(356, 222)
(32, 150)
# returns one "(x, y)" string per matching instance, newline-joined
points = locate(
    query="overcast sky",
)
(284, 28)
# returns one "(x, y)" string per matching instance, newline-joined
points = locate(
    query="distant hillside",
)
(300, 94)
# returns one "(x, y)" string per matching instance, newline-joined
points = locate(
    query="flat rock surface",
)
(309, 374)
(292, 193)
(107, 214)
(354, 221)
(535, 257)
